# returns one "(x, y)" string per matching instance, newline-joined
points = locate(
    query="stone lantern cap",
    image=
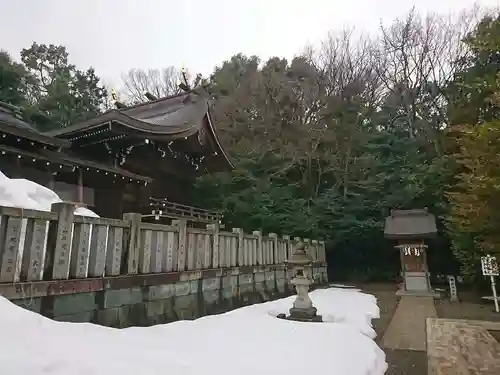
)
(299, 256)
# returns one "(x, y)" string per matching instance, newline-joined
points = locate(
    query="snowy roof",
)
(12, 123)
(417, 223)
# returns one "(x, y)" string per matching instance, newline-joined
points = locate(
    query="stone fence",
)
(76, 268)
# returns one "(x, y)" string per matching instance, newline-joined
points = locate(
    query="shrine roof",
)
(12, 123)
(176, 115)
(173, 117)
(417, 223)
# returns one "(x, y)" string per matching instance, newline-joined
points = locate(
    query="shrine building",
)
(410, 229)
(143, 158)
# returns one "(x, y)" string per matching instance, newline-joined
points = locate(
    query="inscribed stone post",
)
(98, 245)
(274, 248)
(181, 253)
(215, 228)
(247, 249)
(157, 251)
(135, 241)
(265, 250)
(240, 246)
(222, 250)
(207, 251)
(171, 246)
(259, 249)
(60, 246)
(229, 251)
(200, 250)
(145, 253)
(255, 251)
(80, 249)
(114, 251)
(34, 250)
(191, 250)
(234, 251)
(287, 246)
(13, 246)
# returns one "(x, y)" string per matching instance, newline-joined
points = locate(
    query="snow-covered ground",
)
(21, 193)
(246, 341)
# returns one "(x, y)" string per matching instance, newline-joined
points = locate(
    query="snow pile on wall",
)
(21, 193)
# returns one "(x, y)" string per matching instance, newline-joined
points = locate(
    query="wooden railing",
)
(161, 208)
(58, 245)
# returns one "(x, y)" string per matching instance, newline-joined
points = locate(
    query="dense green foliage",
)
(52, 92)
(325, 145)
(474, 194)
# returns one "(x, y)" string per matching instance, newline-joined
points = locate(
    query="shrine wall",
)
(126, 272)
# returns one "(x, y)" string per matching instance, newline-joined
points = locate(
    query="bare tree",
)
(351, 92)
(416, 59)
(158, 82)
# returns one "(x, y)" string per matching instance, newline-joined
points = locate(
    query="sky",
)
(114, 36)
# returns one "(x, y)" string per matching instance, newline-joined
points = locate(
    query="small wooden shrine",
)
(410, 228)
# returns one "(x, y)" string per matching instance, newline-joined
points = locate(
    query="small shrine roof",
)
(416, 223)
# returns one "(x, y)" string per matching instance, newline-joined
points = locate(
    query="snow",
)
(245, 341)
(29, 195)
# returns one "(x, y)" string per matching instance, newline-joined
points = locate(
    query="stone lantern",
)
(303, 309)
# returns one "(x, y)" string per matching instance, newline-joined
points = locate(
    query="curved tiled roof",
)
(171, 117)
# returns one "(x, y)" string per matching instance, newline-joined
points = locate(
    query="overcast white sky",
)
(117, 35)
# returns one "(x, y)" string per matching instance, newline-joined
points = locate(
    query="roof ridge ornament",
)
(184, 85)
(117, 103)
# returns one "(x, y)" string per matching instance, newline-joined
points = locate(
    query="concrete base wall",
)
(188, 298)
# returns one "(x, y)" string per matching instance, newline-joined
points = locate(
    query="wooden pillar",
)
(403, 266)
(80, 184)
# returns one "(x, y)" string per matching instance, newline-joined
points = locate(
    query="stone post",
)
(181, 251)
(12, 243)
(215, 228)
(260, 250)
(275, 252)
(240, 248)
(59, 241)
(134, 244)
(288, 245)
